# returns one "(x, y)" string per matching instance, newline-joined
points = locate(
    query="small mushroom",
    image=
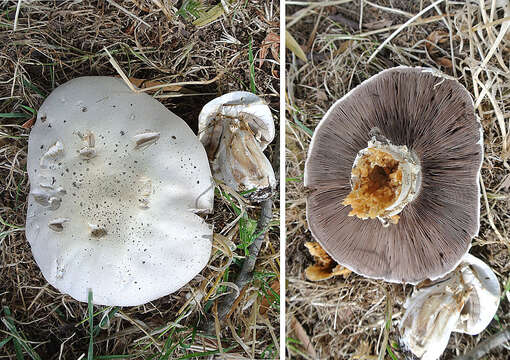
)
(114, 194)
(465, 301)
(392, 172)
(235, 129)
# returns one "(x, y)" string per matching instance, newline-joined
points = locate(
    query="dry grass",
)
(45, 43)
(345, 318)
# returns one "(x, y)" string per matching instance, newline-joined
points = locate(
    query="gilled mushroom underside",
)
(432, 118)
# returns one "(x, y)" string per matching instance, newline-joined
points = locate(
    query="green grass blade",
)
(34, 88)
(210, 15)
(5, 341)
(19, 341)
(247, 228)
(111, 313)
(3, 222)
(252, 66)
(28, 108)
(93, 315)
(296, 179)
(90, 355)
(303, 127)
(192, 340)
(12, 328)
(390, 353)
(15, 116)
(246, 192)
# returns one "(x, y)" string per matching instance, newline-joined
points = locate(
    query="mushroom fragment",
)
(88, 150)
(235, 129)
(113, 205)
(482, 304)
(401, 153)
(324, 267)
(465, 301)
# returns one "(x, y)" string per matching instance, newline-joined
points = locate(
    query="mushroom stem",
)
(384, 179)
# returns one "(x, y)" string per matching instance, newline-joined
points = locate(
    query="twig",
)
(486, 346)
(246, 273)
(311, 39)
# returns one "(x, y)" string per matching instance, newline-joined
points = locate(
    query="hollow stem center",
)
(384, 179)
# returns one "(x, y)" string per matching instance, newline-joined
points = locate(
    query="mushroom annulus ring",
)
(117, 182)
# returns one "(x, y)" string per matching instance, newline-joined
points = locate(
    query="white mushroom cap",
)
(235, 129)
(465, 300)
(116, 180)
(482, 304)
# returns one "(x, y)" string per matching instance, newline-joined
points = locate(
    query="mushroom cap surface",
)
(116, 181)
(434, 117)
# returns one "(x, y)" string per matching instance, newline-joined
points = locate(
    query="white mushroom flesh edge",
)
(465, 301)
(235, 129)
(408, 166)
(116, 182)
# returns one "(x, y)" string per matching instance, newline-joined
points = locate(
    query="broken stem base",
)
(384, 179)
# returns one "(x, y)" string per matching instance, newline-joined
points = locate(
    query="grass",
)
(19, 340)
(90, 305)
(251, 59)
(15, 116)
(346, 318)
(189, 7)
(46, 51)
